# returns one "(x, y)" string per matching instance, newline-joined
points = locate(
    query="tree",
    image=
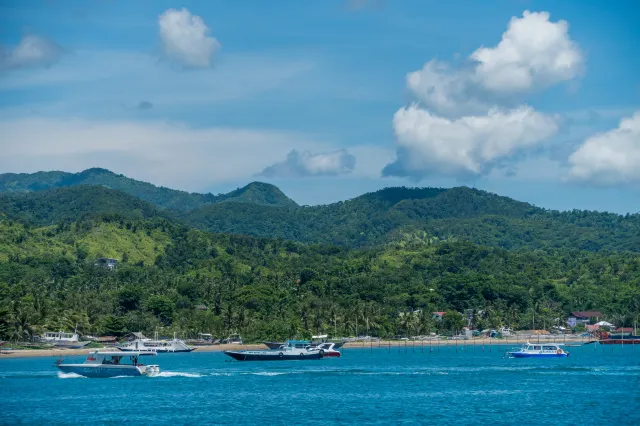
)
(453, 321)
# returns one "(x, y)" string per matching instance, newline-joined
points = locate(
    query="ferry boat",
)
(540, 350)
(111, 364)
(156, 345)
(64, 340)
(291, 350)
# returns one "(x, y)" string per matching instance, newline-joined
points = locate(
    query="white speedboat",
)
(292, 350)
(330, 349)
(64, 340)
(156, 345)
(111, 364)
(540, 350)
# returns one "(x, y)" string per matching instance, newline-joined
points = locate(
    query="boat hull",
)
(273, 356)
(71, 345)
(155, 349)
(620, 342)
(102, 371)
(529, 355)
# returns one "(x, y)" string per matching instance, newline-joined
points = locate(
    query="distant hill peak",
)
(165, 198)
(259, 193)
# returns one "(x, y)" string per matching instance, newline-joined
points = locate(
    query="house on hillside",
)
(583, 317)
(106, 262)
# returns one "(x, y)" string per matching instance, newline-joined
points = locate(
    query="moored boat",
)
(64, 340)
(292, 350)
(330, 349)
(544, 350)
(111, 364)
(156, 345)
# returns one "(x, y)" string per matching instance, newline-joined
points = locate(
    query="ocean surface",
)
(464, 385)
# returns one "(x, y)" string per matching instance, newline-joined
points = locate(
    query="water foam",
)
(176, 374)
(62, 375)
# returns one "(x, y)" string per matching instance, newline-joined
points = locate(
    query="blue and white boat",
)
(298, 350)
(539, 350)
(112, 364)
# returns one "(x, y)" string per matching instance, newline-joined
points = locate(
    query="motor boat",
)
(111, 364)
(539, 350)
(330, 349)
(297, 350)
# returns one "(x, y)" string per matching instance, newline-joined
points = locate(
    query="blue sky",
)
(330, 99)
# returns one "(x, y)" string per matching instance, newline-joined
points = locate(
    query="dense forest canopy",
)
(379, 264)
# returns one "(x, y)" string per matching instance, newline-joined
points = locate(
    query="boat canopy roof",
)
(119, 353)
(545, 344)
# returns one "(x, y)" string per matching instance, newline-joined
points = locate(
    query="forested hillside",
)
(387, 259)
(454, 214)
(164, 198)
(175, 278)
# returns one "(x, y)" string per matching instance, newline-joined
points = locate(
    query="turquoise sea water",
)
(595, 385)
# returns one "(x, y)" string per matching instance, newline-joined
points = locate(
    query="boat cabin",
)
(116, 358)
(298, 344)
(542, 348)
(59, 335)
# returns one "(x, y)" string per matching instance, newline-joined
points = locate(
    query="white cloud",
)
(185, 38)
(534, 53)
(481, 124)
(611, 157)
(306, 164)
(170, 154)
(32, 51)
(468, 146)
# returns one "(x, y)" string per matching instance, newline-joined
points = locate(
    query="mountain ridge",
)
(162, 197)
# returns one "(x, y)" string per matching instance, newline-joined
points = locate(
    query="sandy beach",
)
(511, 341)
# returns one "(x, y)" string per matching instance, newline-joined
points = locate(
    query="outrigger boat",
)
(291, 350)
(539, 350)
(111, 364)
(157, 345)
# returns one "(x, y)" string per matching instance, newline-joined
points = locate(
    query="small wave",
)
(62, 375)
(176, 374)
(268, 373)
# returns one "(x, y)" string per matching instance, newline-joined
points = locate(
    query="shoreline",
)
(34, 353)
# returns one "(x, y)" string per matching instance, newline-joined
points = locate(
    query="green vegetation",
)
(266, 288)
(378, 264)
(399, 213)
(164, 198)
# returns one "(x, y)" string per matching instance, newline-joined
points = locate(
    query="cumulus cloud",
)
(306, 164)
(145, 105)
(32, 51)
(185, 38)
(534, 53)
(611, 157)
(468, 146)
(471, 119)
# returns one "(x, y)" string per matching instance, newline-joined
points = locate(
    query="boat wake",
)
(177, 374)
(62, 375)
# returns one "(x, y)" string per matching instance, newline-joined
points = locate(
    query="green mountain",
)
(427, 213)
(382, 256)
(49, 207)
(256, 192)
(377, 218)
